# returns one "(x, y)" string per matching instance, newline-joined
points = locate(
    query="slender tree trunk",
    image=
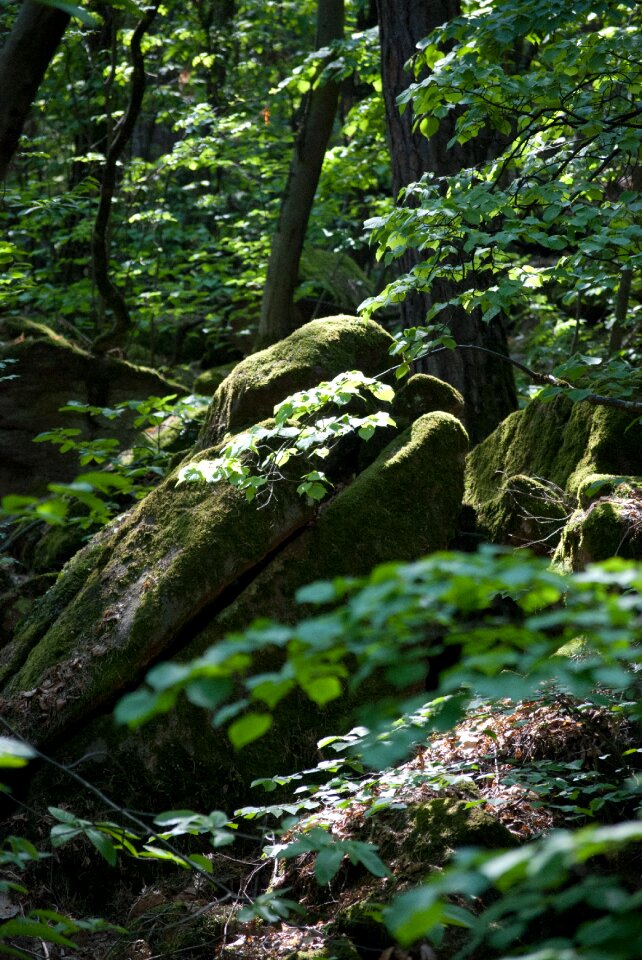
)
(110, 295)
(485, 382)
(278, 317)
(24, 59)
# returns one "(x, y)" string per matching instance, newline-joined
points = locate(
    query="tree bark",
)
(24, 59)
(485, 382)
(278, 317)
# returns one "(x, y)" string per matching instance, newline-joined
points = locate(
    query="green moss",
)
(210, 380)
(529, 442)
(607, 528)
(404, 505)
(525, 512)
(175, 553)
(55, 547)
(559, 443)
(315, 352)
(423, 394)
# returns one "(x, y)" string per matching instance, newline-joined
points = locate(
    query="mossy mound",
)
(208, 382)
(413, 841)
(70, 373)
(189, 563)
(525, 513)
(124, 599)
(317, 351)
(403, 505)
(424, 394)
(608, 526)
(559, 444)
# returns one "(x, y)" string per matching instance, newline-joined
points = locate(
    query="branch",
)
(136, 821)
(547, 379)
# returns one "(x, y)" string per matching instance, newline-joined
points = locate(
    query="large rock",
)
(50, 371)
(187, 565)
(317, 351)
(525, 481)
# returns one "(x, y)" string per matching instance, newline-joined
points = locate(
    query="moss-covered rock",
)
(70, 373)
(208, 382)
(525, 513)
(561, 444)
(610, 526)
(317, 351)
(423, 394)
(123, 600)
(190, 563)
(404, 505)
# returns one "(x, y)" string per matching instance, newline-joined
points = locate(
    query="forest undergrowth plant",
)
(254, 461)
(396, 623)
(120, 477)
(384, 623)
(16, 855)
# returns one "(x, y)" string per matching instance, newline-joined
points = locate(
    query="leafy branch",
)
(253, 461)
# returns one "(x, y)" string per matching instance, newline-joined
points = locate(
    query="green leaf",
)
(73, 10)
(322, 689)
(249, 728)
(103, 845)
(366, 855)
(429, 126)
(208, 692)
(327, 863)
(320, 592)
(136, 708)
(15, 753)
(382, 392)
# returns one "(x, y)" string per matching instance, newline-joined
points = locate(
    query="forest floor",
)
(530, 766)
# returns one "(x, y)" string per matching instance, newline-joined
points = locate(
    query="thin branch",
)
(136, 821)
(546, 379)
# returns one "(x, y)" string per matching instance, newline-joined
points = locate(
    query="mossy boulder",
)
(607, 526)
(424, 394)
(414, 841)
(124, 599)
(190, 563)
(317, 351)
(525, 513)
(69, 373)
(208, 382)
(403, 505)
(559, 444)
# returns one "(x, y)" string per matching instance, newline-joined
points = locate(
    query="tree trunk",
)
(24, 59)
(485, 382)
(278, 317)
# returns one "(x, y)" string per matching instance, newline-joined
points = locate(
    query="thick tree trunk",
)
(485, 382)
(278, 317)
(24, 59)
